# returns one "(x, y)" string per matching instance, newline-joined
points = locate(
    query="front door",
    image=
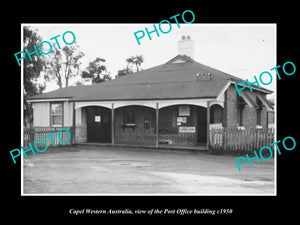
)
(98, 124)
(202, 125)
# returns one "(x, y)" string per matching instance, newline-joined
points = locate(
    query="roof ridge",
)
(170, 82)
(184, 57)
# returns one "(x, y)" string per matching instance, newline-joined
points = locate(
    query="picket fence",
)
(247, 140)
(32, 134)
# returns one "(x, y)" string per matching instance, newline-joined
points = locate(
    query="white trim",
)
(22, 111)
(221, 93)
(264, 102)
(148, 103)
(215, 126)
(217, 103)
(247, 100)
(151, 104)
(49, 100)
(93, 103)
(255, 88)
(197, 102)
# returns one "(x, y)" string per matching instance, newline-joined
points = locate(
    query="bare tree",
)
(63, 64)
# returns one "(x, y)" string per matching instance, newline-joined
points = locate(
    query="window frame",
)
(213, 116)
(258, 117)
(62, 114)
(132, 115)
(240, 105)
(259, 112)
(168, 130)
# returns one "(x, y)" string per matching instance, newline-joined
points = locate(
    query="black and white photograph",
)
(129, 109)
(131, 112)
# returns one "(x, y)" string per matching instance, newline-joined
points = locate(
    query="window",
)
(185, 116)
(129, 116)
(258, 111)
(216, 114)
(240, 116)
(240, 107)
(56, 115)
(258, 117)
(167, 120)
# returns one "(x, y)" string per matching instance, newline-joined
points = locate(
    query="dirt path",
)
(107, 170)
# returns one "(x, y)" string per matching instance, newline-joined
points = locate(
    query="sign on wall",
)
(97, 118)
(181, 119)
(187, 129)
(184, 110)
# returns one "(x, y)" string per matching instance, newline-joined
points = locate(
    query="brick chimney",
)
(186, 46)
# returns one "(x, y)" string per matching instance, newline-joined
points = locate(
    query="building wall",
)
(41, 114)
(249, 114)
(135, 134)
(68, 114)
(175, 137)
(41, 124)
(142, 134)
(271, 119)
(168, 127)
(80, 121)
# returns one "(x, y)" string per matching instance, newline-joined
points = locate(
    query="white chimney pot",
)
(186, 46)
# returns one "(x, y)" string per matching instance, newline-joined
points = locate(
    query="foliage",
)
(133, 65)
(124, 71)
(96, 71)
(32, 70)
(63, 64)
(135, 60)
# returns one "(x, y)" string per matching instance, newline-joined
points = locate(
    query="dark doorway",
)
(202, 125)
(98, 124)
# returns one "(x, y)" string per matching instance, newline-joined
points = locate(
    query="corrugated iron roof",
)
(172, 80)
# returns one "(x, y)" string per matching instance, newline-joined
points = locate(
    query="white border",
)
(275, 117)
(22, 111)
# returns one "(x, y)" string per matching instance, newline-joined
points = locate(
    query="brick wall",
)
(138, 134)
(135, 134)
(171, 113)
(249, 114)
(216, 114)
(231, 109)
(179, 139)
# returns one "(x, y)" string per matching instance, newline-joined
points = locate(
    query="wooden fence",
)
(32, 134)
(235, 140)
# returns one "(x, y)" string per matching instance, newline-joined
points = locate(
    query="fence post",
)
(266, 137)
(246, 140)
(212, 138)
(223, 139)
(73, 135)
(31, 135)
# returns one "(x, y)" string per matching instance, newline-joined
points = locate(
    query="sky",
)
(242, 50)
